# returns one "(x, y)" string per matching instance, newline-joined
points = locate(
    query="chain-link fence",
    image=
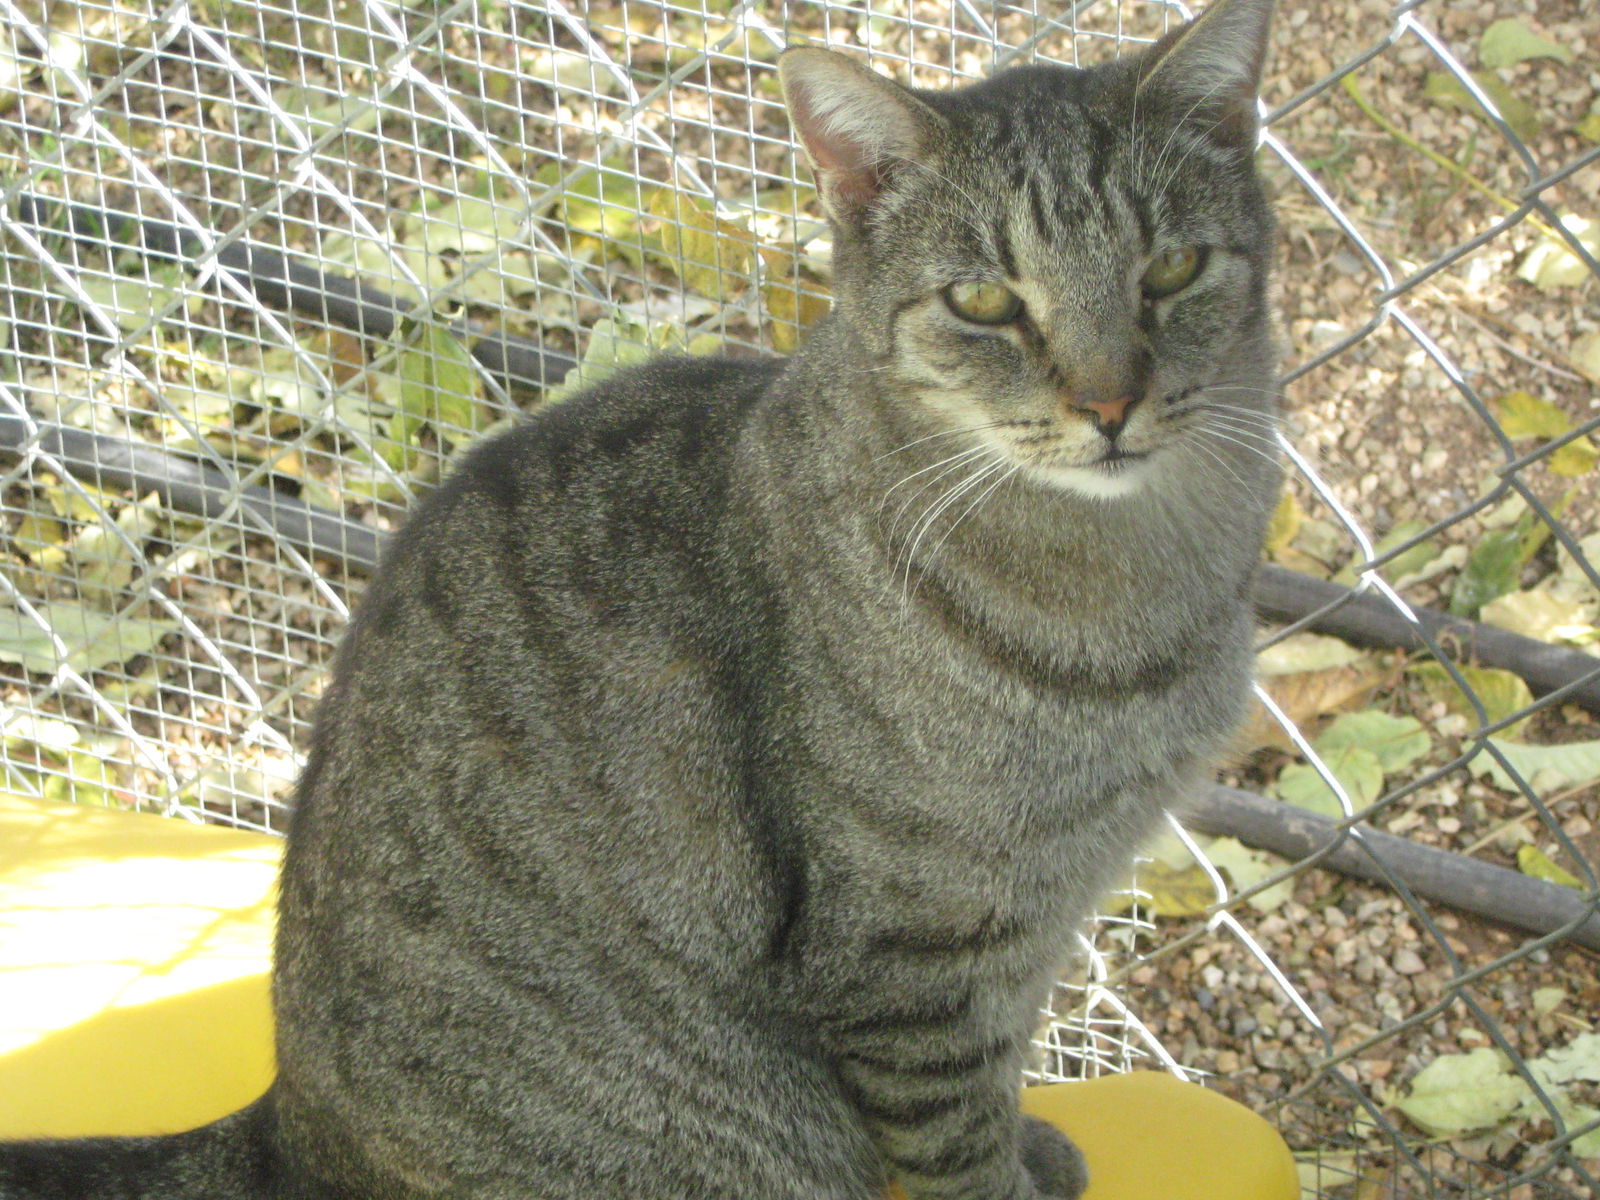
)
(269, 264)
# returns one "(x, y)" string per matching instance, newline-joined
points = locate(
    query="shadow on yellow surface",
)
(134, 954)
(134, 999)
(161, 1067)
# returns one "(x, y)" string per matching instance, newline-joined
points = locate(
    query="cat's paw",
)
(1056, 1165)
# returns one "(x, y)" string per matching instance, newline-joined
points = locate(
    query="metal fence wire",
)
(269, 264)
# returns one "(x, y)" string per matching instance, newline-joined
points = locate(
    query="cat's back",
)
(563, 588)
(638, 457)
(595, 510)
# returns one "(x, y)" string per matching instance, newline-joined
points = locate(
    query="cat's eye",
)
(1172, 271)
(983, 303)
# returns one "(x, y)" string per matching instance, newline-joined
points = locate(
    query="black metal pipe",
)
(278, 281)
(1497, 893)
(1364, 619)
(186, 486)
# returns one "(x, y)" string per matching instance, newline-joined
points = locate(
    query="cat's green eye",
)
(985, 303)
(1172, 271)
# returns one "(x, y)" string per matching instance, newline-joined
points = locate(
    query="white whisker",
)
(937, 509)
(982, 496)
(956, 459)
(943, 433)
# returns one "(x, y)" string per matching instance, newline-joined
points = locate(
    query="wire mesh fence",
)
(269, 266)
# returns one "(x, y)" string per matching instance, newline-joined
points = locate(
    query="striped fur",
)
(719, 764)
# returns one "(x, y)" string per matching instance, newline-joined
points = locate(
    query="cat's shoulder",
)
(673, 416)
(671, 401)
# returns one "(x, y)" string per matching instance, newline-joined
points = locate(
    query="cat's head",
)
(1071, 262)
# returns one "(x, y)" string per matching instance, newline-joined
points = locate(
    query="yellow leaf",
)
(1551, 263)
(1501, 692)
(1588, 126)
(712, 256)
(1586, 350)
(1166, 891)
(1305, 652)
(793, 306)
(1541, 613)
(1523, 415)
(1307, 696)
(1533, 861)
(1285, 523)
(37, 533)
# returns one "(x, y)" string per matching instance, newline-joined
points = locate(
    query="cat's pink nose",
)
(1109, 415)
(1110, 412)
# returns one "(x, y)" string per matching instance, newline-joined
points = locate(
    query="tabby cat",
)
(721, 761)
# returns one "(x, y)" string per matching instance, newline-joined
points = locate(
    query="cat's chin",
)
(1111, 480)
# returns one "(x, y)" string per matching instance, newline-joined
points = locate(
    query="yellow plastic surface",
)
(134, 953)
(134, 999)
(1151, 1136)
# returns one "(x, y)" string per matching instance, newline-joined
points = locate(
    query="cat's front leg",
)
(1056, 1165)
(942, 1111)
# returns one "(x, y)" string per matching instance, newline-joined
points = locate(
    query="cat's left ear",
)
(857, 127)
(1209, 70)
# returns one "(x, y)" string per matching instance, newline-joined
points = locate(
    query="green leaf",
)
(1461, 1093)
(317, 110)
(1357, 770)
(1407, 562)
(1578, 1062)
(1492, 569)
(1247, 867)
(614, 343)
(130, 302)
(467, 224)
(1578, 1059)
(93, 639)
(1442, 87)
(1535, 862)
(1502, 693)
(105, 552)
(1546, 768)
(438, 385)
(1588, 126)
(569, 70)
(609, 202)
(87, 779)
(1579, 1115)
(44, 732)
(1546, 1000)
(1509, 41)
(1396, 742)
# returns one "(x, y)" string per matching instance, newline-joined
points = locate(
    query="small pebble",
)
(1408, 962)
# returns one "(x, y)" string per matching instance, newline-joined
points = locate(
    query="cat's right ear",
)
(856, 126)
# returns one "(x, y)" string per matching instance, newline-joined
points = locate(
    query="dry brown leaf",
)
(1307, 696)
